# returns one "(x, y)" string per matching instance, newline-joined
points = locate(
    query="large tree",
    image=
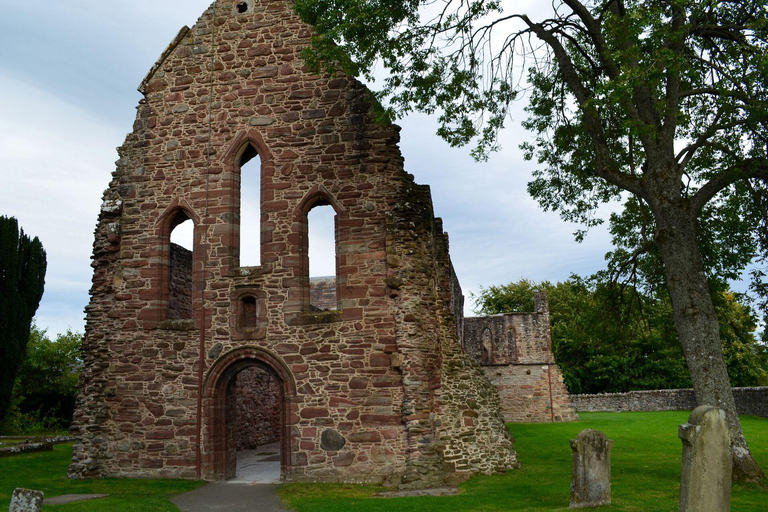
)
(22, 276)
(660, 103)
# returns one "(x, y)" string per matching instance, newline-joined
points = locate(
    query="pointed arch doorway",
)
(237, 414)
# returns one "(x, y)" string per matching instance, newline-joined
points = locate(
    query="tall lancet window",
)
(250, 208)
(322, 258)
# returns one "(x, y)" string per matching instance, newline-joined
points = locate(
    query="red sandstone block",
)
(314, 412)
(365, 437)
(385, 382)
(344, 459)
(389, 433)
(160, 434)
(341, 403)
(380, 420)
(188, 462)
(352, 314)
(152, 463)
(380, 360)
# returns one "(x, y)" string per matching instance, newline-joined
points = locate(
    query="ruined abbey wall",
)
(515, 352)
(378, 390)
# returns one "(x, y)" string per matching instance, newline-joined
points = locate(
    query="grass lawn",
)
(645, 464)
(46, 471)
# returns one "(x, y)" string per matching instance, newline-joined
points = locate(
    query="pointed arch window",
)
(180, 267)
(321, 253)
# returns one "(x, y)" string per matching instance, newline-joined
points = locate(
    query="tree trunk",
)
(698, 326)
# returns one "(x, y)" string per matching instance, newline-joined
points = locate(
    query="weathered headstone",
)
(26, 500)
(591, 477)
(705, 483)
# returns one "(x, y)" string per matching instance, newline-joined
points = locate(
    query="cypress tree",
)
(22, 277)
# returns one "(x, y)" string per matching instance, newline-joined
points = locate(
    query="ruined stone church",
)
(193, 353)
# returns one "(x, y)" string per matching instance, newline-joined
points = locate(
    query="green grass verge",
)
(645, 464)
(46, 471)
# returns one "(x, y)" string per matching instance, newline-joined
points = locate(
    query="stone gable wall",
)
(369, 395)
(752, 401)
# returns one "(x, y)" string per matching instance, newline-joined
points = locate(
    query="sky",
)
(68, 78)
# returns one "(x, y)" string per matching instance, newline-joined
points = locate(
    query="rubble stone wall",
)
(752, 401)
(365, 387)
(180, 294)
(259, 402)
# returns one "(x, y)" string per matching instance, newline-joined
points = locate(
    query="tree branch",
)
(751, 168)
(605, 165)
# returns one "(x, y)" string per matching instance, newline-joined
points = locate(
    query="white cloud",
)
(55, 161)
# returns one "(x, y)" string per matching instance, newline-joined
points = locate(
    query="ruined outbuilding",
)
(515, 352)
(190, 353)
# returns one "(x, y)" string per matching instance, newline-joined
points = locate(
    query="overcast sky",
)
(68, 77)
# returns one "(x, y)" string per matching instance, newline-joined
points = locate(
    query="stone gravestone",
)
(26, 500)
(705, 482)
(591, 478)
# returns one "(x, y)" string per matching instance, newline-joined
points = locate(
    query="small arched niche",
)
(249, 314)
(248, 319)
(487, 356)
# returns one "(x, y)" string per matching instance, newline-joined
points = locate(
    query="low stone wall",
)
(26, 447)
(752, 401)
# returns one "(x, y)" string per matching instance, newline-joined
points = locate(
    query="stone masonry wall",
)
(531, 393)
(372, 392)
(752, 401)
(322, 294)
(514, 350)
(450, 411)
(259, 398)
(180, 294)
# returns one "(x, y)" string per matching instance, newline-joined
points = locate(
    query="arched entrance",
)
(226, 397)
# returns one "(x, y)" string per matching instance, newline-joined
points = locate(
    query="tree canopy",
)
(660, 104)
(22, 277)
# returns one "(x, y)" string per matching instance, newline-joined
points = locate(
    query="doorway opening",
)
(266, 394)
(254, 426)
